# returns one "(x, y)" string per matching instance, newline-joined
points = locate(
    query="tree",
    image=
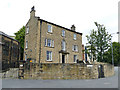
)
(99, 41)
(116, 54)
(91, 45)
(20, 36)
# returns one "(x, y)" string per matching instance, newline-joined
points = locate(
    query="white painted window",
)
(52, 43)
(27, 29)
(75, 58)
(46, 42)
(50, 28)
(63, 33)
(75, 48)
(25, 57)
(26, 44)
(74, 37)
(49, 42)
(49, 55)
(63, 45)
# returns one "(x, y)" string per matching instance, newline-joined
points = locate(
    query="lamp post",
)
(112, 48)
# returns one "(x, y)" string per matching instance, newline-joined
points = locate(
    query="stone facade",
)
(10, 51)
(66, 71)
(35, 42)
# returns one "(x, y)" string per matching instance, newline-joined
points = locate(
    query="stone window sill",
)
(49, 60)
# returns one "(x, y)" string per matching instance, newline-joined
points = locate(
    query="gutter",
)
(40, 40)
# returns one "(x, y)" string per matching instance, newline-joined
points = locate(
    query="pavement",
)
(110, 82)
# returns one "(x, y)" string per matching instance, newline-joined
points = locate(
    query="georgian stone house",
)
(46, 42)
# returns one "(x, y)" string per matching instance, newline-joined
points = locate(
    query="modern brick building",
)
(9, 51)
(46, 42)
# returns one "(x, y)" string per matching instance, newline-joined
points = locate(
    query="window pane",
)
(25, 57)
(27, 29)
(49, 55)
(63, 45)
(45, 42)
(74, 36)
(49, 42)
(49, 28)
(52, 43)
(75, 58)
(26, 44)
(63, 33)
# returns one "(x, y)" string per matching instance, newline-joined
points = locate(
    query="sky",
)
(82, 13)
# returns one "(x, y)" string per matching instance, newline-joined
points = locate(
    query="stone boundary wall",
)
(66, 71)
(108, 70)
(12, 73)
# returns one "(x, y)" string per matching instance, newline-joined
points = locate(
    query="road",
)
(110, 82)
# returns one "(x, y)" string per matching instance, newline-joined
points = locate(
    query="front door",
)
(63, 58)
(100, 72)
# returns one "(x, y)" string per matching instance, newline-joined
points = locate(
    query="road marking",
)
(107, 83)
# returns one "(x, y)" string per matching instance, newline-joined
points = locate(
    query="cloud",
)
(82, 13)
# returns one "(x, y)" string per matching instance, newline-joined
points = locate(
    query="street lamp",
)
(112, 47)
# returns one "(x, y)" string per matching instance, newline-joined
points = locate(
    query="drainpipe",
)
(40, 40)
(10, 54)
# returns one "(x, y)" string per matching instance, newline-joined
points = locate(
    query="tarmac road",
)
(110, 82)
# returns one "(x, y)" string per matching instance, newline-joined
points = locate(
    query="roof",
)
(59, 26)
(2, 33)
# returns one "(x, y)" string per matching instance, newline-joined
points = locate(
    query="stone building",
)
(46, 42)
(9, 51)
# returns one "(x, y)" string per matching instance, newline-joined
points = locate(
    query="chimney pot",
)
(73, 27)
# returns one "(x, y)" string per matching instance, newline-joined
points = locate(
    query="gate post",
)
(21, 69)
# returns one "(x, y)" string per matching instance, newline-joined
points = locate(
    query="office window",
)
(75, 48)
(27, 29)
(63, 33)
(26, 44)
(49, 55)
(74, 37)
(49, 28)
(75, 58)
(63, 45)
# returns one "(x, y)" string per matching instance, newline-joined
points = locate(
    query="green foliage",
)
(20, 36)
(98, 42)
(116, 54)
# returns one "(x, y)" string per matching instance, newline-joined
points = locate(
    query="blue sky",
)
(81, 13)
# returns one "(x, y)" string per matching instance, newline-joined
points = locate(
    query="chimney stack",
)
(32, 12)
(73, 27)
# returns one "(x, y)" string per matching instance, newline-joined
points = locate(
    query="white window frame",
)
(27, 29)
(63, 45)
(63, 33)
(75, 58)
(75, 48)
(52, 43)
(25, 57)
(45, 41)
(50, 29)
(74, 36)
(49, 42)
(26, 44)
(48, 55)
